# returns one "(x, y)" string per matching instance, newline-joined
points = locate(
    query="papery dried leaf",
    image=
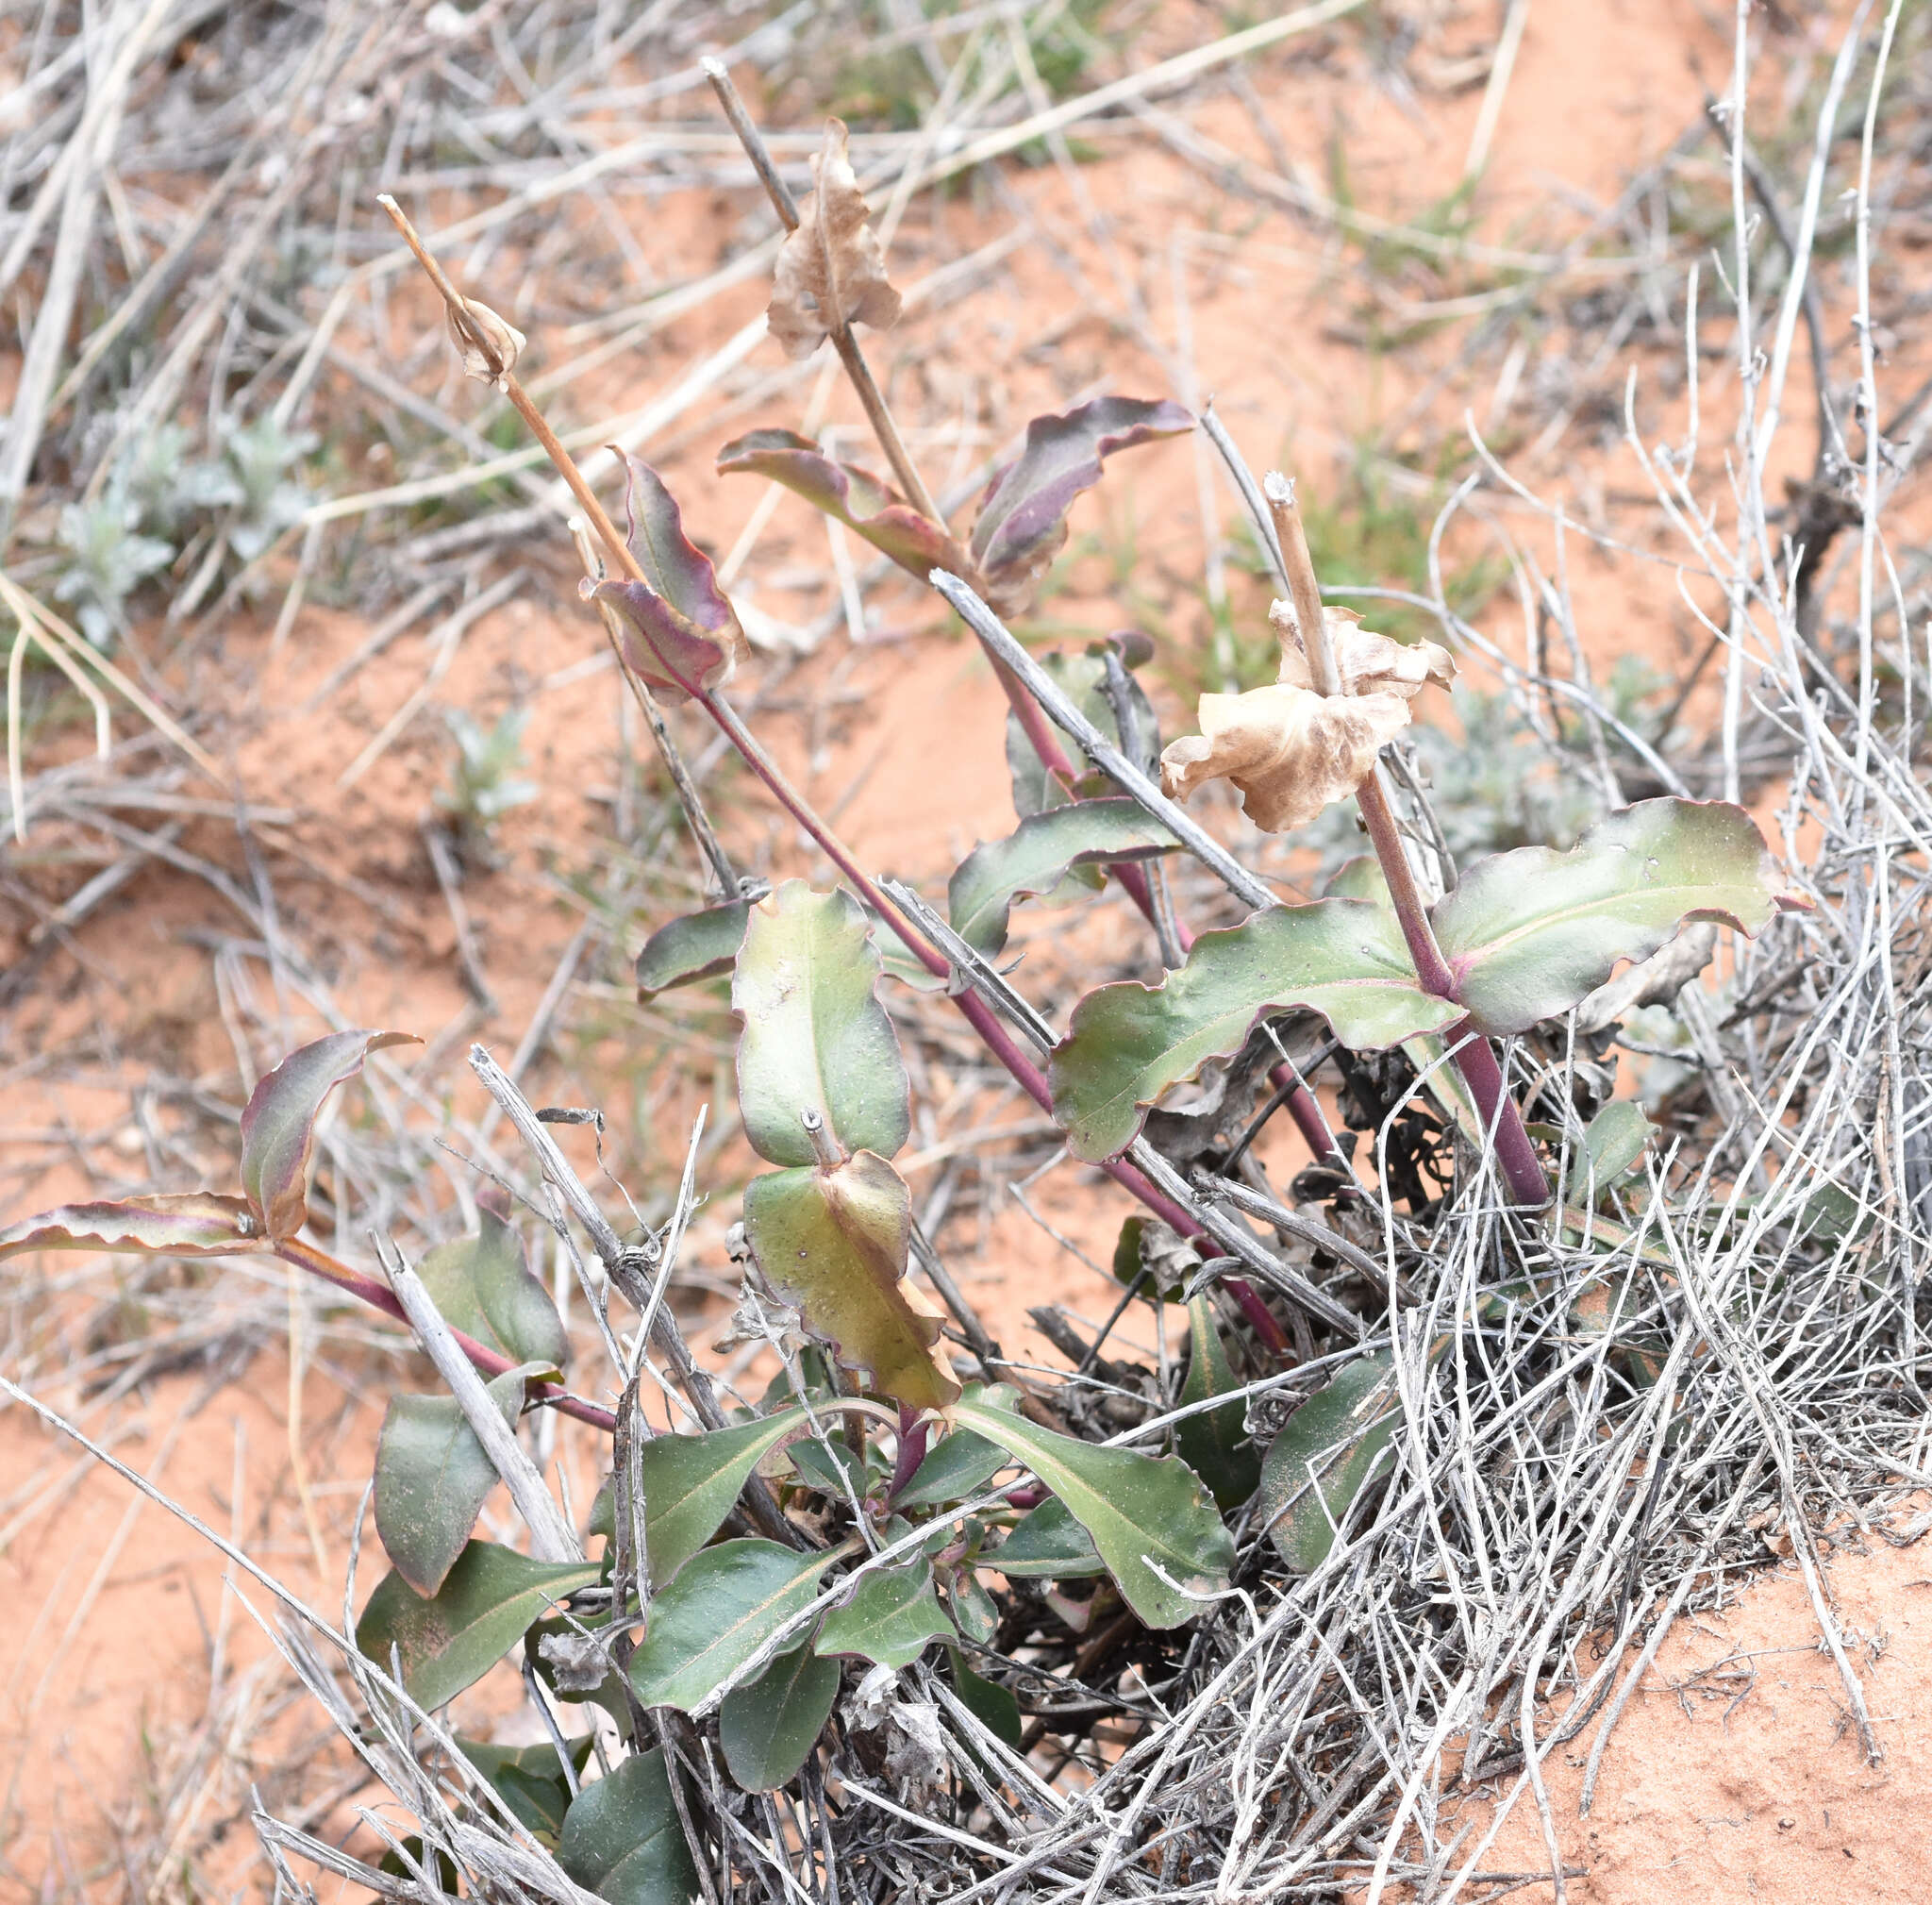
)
(831, 271)
(1368, 663)
(678, 627)
(489, 346)
(1289, 751)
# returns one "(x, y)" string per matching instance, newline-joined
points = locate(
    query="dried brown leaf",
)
(1369, 664)
(831, 271)
(489, 346)
(1289, 751)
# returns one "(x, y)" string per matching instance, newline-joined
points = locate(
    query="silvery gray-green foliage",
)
(107, 559)
(171, 490)
(483, 785)
(261, 457)
(156, 499)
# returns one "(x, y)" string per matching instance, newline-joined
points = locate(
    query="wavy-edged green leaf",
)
(1022, 521)
(679, 630)
(835, 1243)
(887, 1618)
(1215, 1443)
(816, 1038)
(959, 1466)
(278, 1123)
(690, 1482)
(1084, 676)
(432, 1476)
(1529, 933)
(175, 1224)
(866, 505)
(1128, 1044)
(769, 1725)
(725, 1603)
(487, 1603)
(1036, 856)
(1138, 1508)
(483, 1286)
(1612, 1144)
(528, 1780)
(1324, 1458)
(698, 946)
(1047, 1542)
(622, 1839)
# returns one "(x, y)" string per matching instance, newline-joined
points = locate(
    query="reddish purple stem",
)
(380, 1296)
(1522, 1171)
(912, 1437)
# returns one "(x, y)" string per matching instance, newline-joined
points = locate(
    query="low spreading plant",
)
(881, 1500)
(484, 780)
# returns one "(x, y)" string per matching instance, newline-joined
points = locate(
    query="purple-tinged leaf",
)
(1529, 933)
(856, 497)
(1022, 521)
(682, 633)
(698, 946)
(179, 1224)
(278, 1123)
(1129, 1043)
(1035, 857)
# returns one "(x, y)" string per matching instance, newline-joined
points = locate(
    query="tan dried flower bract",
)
(1368, 663)
(1292, 751)
(489, 346)
(1289, 751)
(831, 271)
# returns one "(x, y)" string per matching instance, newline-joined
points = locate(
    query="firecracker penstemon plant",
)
(741, 1564)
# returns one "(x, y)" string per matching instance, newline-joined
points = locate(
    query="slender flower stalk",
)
(1522, 1171)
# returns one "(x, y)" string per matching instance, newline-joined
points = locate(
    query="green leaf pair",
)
(823, 1092)
(1526, 935)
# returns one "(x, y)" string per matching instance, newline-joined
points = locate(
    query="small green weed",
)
(483, 784)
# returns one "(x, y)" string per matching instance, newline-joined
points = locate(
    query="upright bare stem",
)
(1522, 1171)
(857, 369)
